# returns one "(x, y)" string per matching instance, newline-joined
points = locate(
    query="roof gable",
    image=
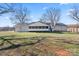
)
(38, 24)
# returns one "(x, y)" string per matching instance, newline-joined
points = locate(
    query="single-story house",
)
(39, 26)
(73, 28)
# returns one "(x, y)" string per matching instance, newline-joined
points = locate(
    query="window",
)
(38, 27)
(46, 27)
(29, 27)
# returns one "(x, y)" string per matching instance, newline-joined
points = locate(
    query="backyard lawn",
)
(39, 44)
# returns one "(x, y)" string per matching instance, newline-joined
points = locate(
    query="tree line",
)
(7, 29)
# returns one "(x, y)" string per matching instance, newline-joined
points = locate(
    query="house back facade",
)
(39, 26)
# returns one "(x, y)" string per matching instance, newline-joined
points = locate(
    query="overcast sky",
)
(37, 9)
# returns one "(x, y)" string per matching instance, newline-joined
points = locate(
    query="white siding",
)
(38, 29)
(60, 28)
(23, 27)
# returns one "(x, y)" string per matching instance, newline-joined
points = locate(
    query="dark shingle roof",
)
(57, 24)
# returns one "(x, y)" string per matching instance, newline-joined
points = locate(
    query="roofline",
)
(36, 22)
(43, 23)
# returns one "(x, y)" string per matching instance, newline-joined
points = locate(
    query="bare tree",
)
(20, 14)
(52, 15)
(74, 14)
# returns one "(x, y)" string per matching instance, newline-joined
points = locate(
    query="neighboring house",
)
(73, 28)
(39, 26)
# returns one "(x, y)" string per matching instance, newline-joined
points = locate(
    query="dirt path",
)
(63, 52)
(54, 50)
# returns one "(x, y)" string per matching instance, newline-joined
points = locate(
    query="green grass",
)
(52, 39)
(31, 34)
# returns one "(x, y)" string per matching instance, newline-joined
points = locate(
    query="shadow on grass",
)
(58, 32)
(13, 46)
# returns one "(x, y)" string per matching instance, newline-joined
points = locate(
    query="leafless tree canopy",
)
(20, 14)
(52, 15)
(74, 13)
(6, 8)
